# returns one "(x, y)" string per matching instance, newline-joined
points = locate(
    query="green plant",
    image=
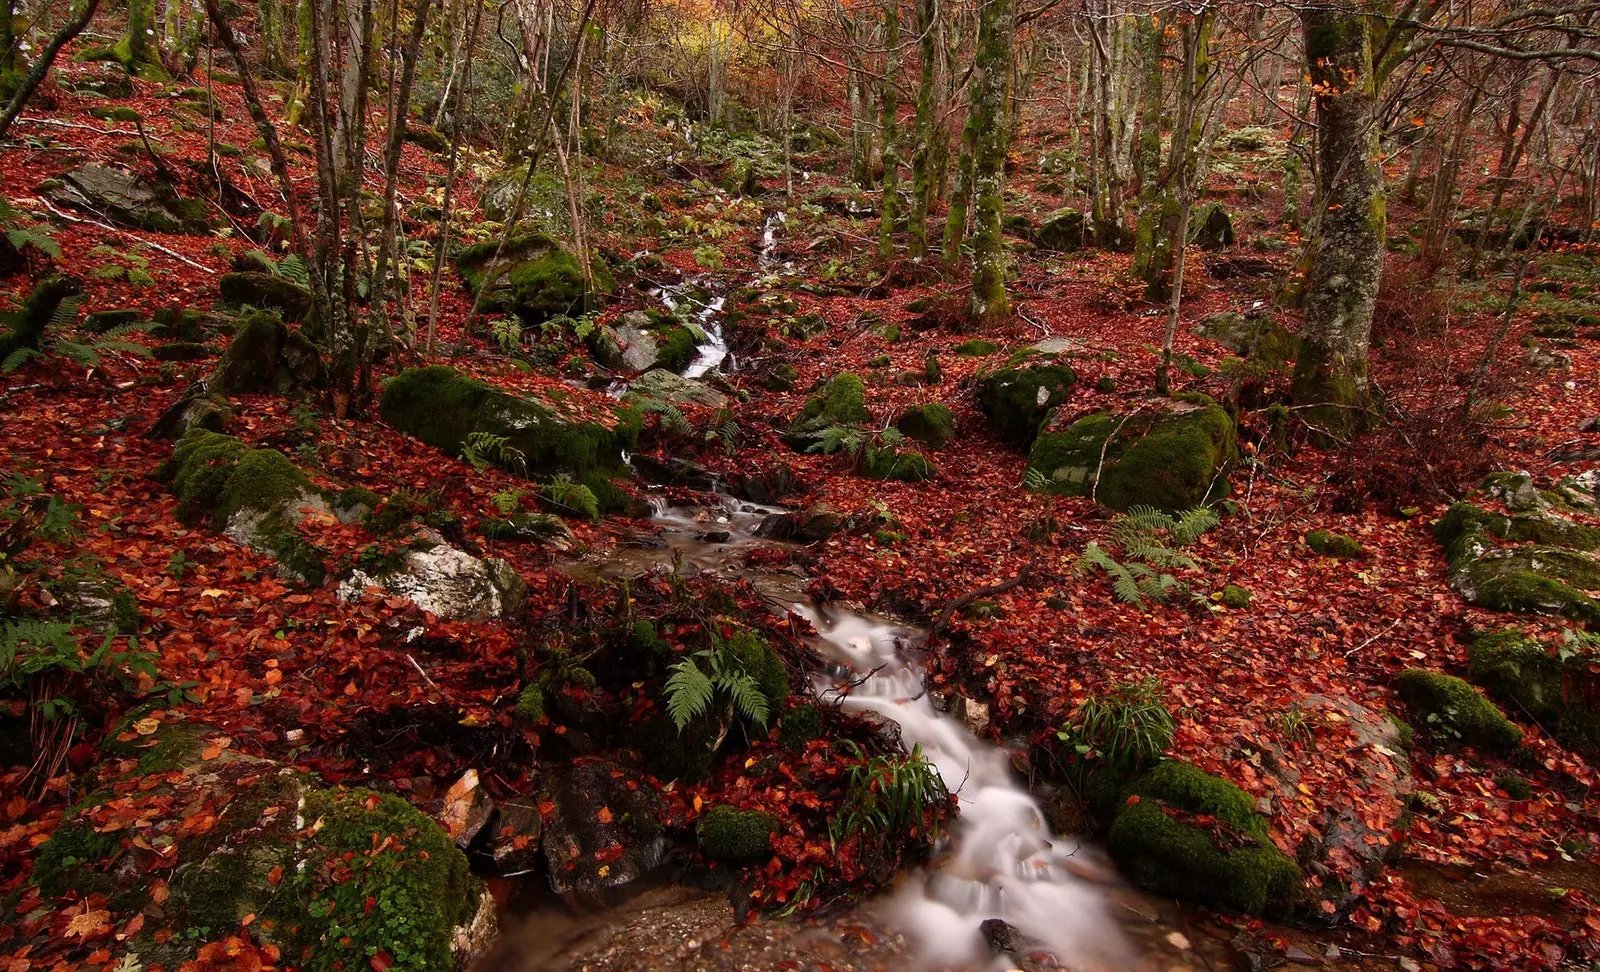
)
(506, 501)
(1156, 538)
(1127, 729)
(177, 564)
(88, 353)
(26, 236)
(1295, 726)
(889, 796)
(507, 333)
(131, 266)
(481, 450)
(721, 674)
(573, 497)
(709, 257)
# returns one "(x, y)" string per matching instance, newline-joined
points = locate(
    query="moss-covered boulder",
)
(666, 386)
(256, 496)
(735, 837)
(332, 877)
(1557, 685)
(1018, 395)
(192, 410)
(893, 462)
(932, 424)
(1531, 580)
(1258, 337)
(443, 580)
(842, 401)
(443, 408)
(266, 291)
(533, 278)
(1171, 458)
(1062, 230)
(1450, 711)
(1330, 544)
(1211, 227)
(265, 356)
(129, 200)
(1184, 832)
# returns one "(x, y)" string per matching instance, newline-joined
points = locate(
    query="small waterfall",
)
(1003, 861)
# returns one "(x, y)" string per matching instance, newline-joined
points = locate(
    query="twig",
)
(956, 604)
(424, 674)
(66, 124)
(117, 229)
(1375, 637)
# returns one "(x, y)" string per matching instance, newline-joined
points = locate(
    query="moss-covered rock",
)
(1171, 459)
(265, 356)
(976, 348)
(1330, 544)
(1531, 580)
(1257, 337)
(534, 277)
(892, 462)
(735, 837)
(257, 496)
(266, 291)
(1193, 835)
(443, 407)
(1210, 227)
(842, 401)
(332, 877)
(1061, 230)
(1018, 396)
(932, 424)
(1451, 711)
(799, 726)
(1236, 597)
(1556, 685)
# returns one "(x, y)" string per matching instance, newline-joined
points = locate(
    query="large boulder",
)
(1017, 395)
(601, 834)
(444, 581)
(533, 277)
(932, 424)
(1171, 457)
(1062, 230)
(195, 409)
(637, 349)
(1532, 560)
(1558, 685)
(1210, 227)
(267, 356)
(1184, 832)
(1256, 336)
(444, 408)
(332, 877)
(266, 291)
(128, 200)
(256, 496)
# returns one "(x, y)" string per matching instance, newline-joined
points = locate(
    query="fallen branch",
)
(66, 124)
(117, 229)
(424, 674)
(956, 604)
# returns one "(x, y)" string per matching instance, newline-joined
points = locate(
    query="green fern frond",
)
(66, 313)
(1192, 523)
(124, 347)
(293, 269)
(17, 359)
(79, 354)
(127, 330)
(140, 278)
(748, 699)
(26, 237)
(110, 271)
(689, 691)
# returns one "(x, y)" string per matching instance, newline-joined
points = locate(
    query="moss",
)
(842, 401)
(1554, 531)
(1453, 711)
(976, 348)
(761, 662)
(1463, 527)
(357, 496)
(1235, 597)
(379, 876)
(1017, 399)
(530, 704)
(199, 469)
(251, 360)
(1168, 460)
(932, 424)
(1105, 384)
(799, 726)
(1246, 872)
(1560, 689)
(59, 868)
(1406, 733)
(1533, 580)
(536, 279)
(1330, 544)
(735, 836)
(903, 465)
(880, 361)
(1515, 786)
(124, 612)
(443, 408)
(675, 347)
(263, 480)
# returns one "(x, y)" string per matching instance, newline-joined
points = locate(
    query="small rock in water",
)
(466, 809)
(716, 536)
(1002, 937)
(1300, 956)
(1179, 940)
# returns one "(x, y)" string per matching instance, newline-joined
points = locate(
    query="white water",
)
(1002, 862)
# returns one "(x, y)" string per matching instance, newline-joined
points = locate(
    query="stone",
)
(515, 837)
(816, 524)
(639, 350)
(533, 277)
(841, 402)
(266, 291)
(602, 836)
(1019, 394)
(1541, 359)
(668, 386)
(1062, 230)
(1256, 336)
(1004, 937)
(445, 581)
(128, 200)
(194, 409)
(1171, 457)
(932, 424)
(1210, 227)
(1554, 684)
(265, 356)
(466, 809)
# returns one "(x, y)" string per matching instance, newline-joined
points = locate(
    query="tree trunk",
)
(1342, 282)
(921, 158)
(81, 15)
(991, 75)
(891, 140)
(1147, 234)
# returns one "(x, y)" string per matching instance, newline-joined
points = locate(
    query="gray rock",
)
(447, 582)
(639, 350)
(1062, 230)
(816, 524)
(1540, 359)
(667, 386)
(194, 410)
(127, 200)
(514, 837)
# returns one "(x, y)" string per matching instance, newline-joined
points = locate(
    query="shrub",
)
(1127, 729)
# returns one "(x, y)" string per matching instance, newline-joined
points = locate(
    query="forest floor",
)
(1481, 878)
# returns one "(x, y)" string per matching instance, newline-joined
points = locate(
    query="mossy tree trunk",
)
(922, 154)
(8, 42)
(138, 47)
(1151, 195)
(991, 74)
(81, 14)
(1342, 282)
(891, 138)
(955, 220)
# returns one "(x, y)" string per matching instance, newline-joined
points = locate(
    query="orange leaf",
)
(381, 962)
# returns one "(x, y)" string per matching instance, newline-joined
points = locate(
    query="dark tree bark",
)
(79, 19)
(1342, 282)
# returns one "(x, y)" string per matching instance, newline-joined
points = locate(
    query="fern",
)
(66, 313)
(689, 692)
(17, 359)
(484, 449)
(835, 438)
(698, 680)
(1033, 480)
(293, 269)
(27, 237)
